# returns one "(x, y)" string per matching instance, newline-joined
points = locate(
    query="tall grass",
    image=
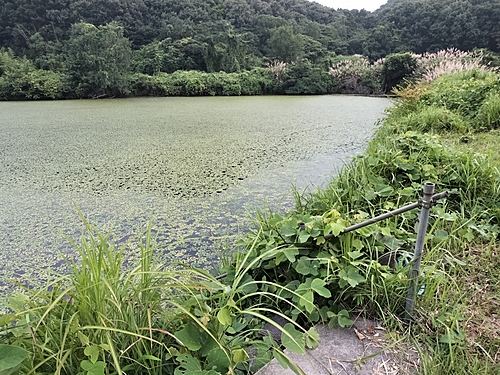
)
(106, 317)
(488, 115)
(101, 312)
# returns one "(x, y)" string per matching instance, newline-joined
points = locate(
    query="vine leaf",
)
(292, 339)
(224, 317)
(334, 228)
(92, 352)
(190, 337)
(312, 338)
(318, 285)
(11, 358)
(93, 368)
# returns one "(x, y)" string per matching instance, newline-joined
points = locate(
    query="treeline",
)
(20, 79)
(400, 25)
(107, 73)
(83, 48)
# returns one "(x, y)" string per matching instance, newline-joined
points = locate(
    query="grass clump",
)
(488, 115)
(434, 120)
(462, 92)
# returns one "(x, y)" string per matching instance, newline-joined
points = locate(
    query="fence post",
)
(426, 203)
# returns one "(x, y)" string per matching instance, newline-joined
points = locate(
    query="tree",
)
(238, 12)
(395, 68)
(285, 45)
(98, 60)
(167, 56)
(305, 78)
(226, 49)
(381, 41)
(313, 50)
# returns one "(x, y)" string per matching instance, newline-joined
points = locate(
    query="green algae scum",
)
(193, 165)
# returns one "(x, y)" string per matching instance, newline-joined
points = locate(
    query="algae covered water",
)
(194, 166)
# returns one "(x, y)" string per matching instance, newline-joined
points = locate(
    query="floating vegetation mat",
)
(194, 166)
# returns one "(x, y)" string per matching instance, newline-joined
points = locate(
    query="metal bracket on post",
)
(426, 203)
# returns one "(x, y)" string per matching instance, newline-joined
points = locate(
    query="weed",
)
(488, 116)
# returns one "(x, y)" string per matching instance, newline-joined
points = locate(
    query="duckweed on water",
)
(193, 164)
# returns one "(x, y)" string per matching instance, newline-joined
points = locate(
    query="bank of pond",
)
(104, 318)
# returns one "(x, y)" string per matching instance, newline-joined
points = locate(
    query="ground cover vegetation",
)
(82, 49)
(108, 318)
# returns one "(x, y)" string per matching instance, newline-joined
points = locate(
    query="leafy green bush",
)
(462, 92)
(146, 85)
(196, 83)
(305, 78)
(323, 278)
(19, 79)
(395, 68)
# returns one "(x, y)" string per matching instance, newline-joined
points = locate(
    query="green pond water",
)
(197, 167)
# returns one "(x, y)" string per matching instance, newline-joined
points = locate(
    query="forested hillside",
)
(81, 48)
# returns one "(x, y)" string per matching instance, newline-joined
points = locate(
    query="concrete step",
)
(362, 349)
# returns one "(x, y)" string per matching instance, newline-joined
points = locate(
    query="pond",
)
(196, 167)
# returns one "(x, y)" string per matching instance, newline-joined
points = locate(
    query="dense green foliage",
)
(20, 79)
(427, 26)
(195, 83)
(396, 68)
(95, 47)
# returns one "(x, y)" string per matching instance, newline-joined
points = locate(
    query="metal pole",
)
(389, 214)
(426, 203)
(376, 219)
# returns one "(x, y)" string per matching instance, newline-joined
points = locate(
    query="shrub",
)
(19, 79)
(323, 278)
(250, 82)
(196, 83)
(146, 85)
(395, 68)
(230, 84)
(305, 78)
